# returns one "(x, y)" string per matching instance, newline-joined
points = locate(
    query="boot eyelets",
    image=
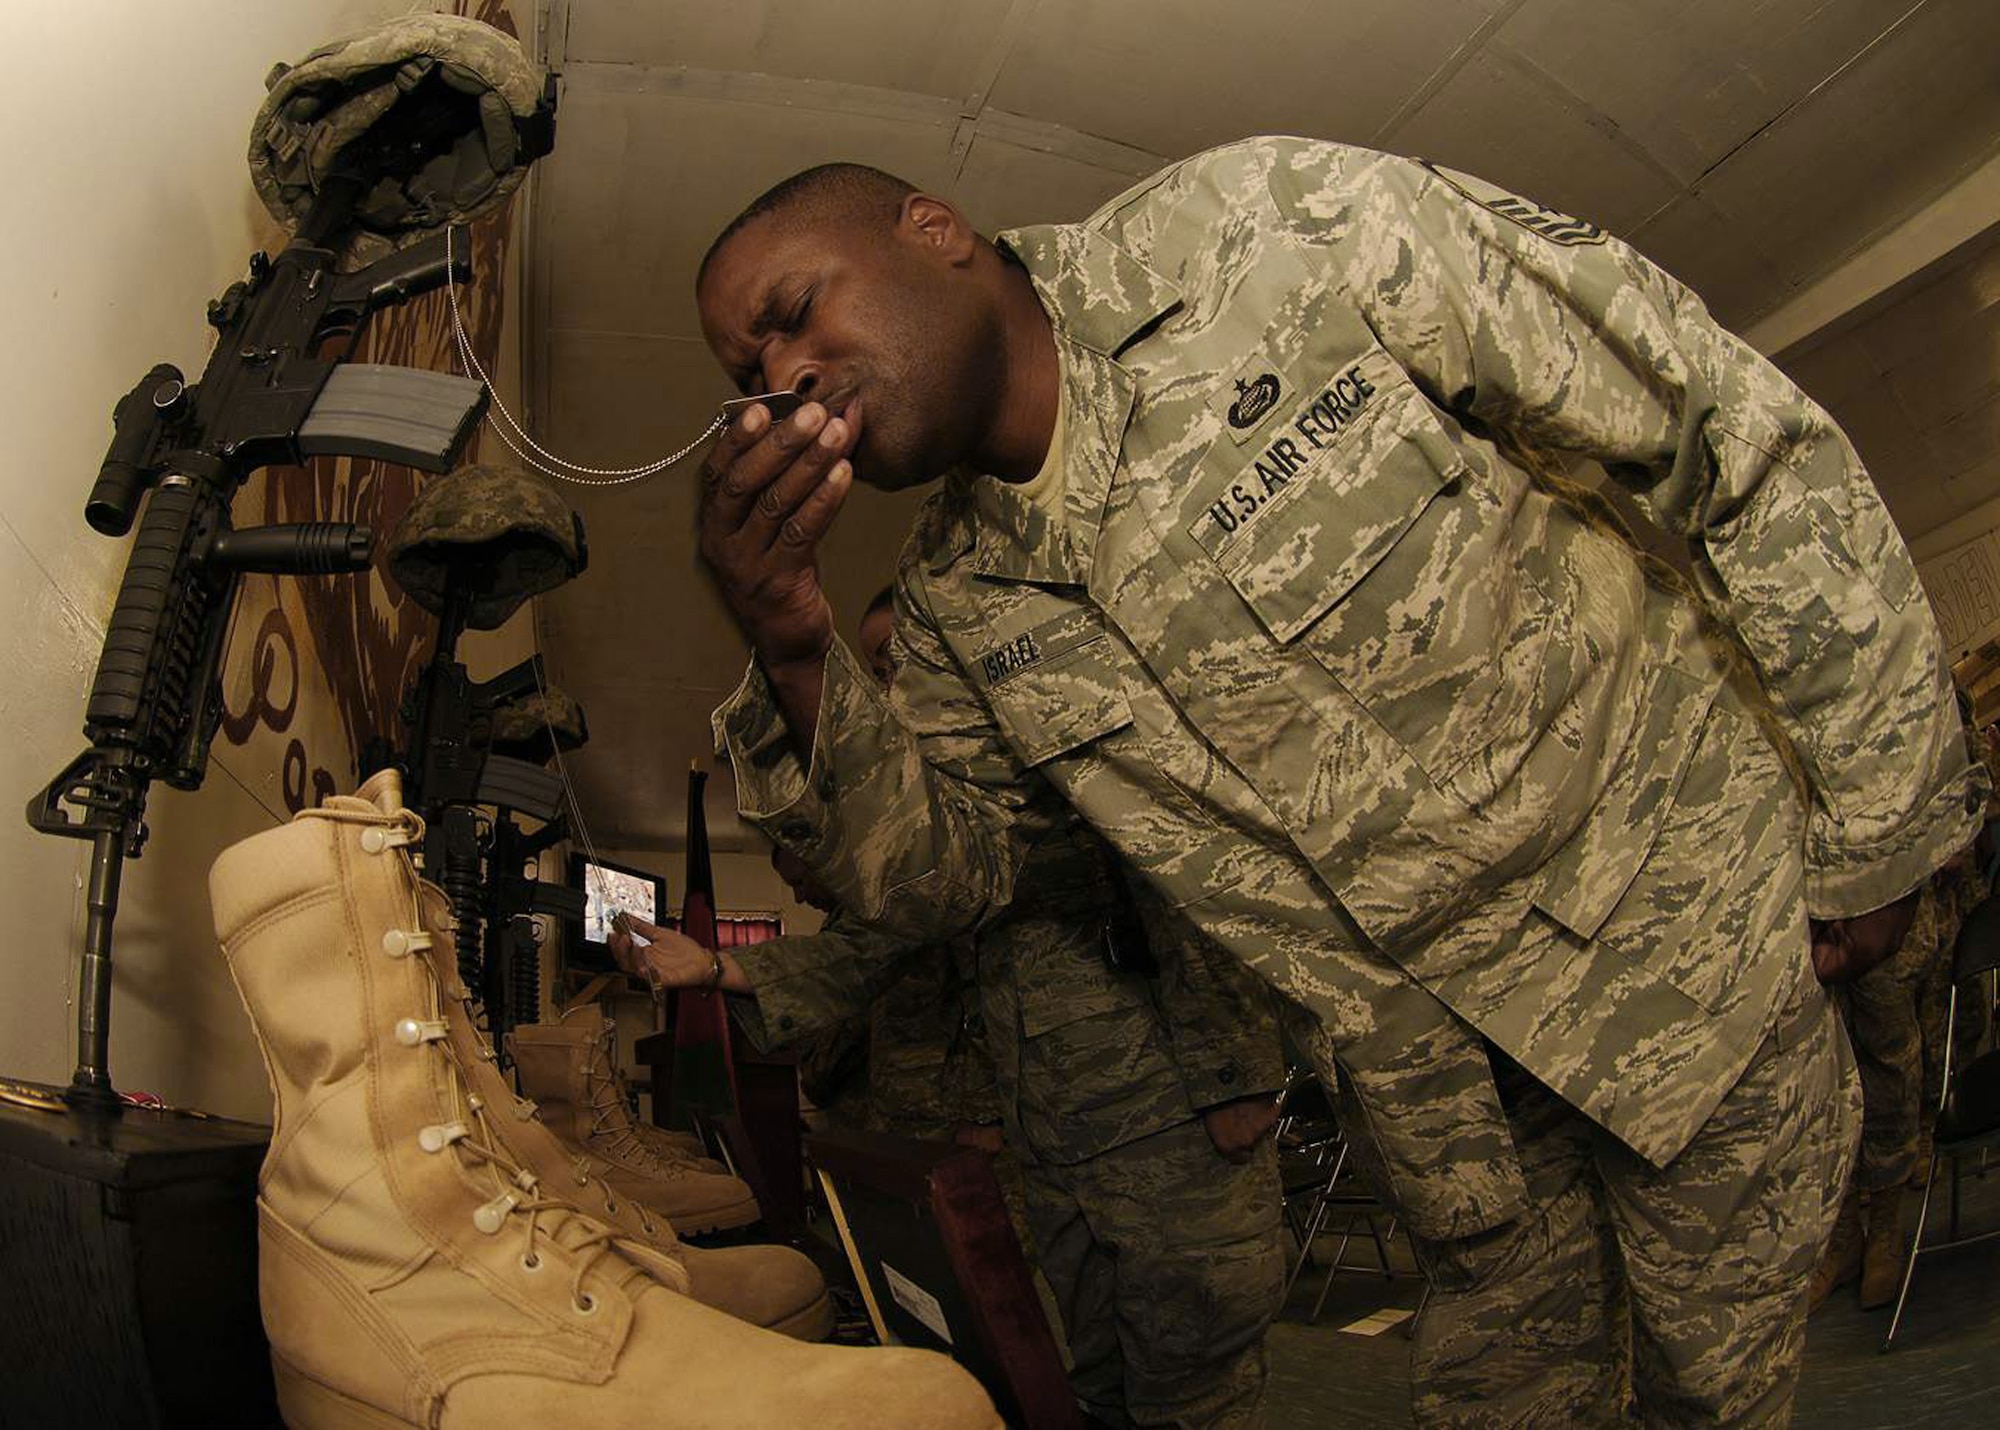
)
(531, 1262)
(440, 1135)
(585, 1305)
(491, 1217)
(375, 840)
(411, 1032)
(399, 943)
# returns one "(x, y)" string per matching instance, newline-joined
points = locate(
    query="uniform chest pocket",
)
(1358, 536)
(1055, 686)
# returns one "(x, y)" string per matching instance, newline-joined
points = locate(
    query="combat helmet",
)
(436, 116)
(537, 725)
(493, 535)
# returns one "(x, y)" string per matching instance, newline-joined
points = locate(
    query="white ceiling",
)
(1751, 146)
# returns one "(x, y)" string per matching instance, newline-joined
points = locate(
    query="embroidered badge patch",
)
(1253, 400)
(1552, 224)
(1256, 394)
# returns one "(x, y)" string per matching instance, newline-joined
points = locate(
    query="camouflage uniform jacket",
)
(1085, 1057)
(1386, 720)
(922, 1036)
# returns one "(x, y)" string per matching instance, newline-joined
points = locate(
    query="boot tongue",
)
(384, 790)
(586, 1017)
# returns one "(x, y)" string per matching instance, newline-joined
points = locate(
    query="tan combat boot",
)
(565, 1067)
(412, 1273)
(1882, 1252)
(1842, 1262)
(770, 1286)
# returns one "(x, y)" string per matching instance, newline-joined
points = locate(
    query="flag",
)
(704, 1072)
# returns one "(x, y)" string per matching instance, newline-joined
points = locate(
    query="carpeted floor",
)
(1943, 1372)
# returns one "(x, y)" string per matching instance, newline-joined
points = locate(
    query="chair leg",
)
(1410, 1326)
(1916, 1248)
(1333, 1269)
(1313, 1224)
(1381, 1250)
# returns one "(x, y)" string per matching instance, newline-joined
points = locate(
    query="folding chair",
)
(1969, 1112)
(1320, 1184)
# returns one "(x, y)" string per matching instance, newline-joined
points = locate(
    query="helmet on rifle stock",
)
(537, 725)
(495, 535)
(436, 116)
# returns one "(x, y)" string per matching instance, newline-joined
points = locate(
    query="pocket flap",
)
(1297, 527)
(1055, 686)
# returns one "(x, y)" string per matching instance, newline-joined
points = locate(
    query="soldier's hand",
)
(671, 960)
(1236, 1127)
(769, 491)
(1844, 949)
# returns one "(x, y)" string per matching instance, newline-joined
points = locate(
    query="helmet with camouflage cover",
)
(534, 727)
(438, 116)
(497, 534)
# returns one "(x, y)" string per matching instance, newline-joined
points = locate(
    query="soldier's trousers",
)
(1167, 1264)
(1895, 1019)
(1692, 1276)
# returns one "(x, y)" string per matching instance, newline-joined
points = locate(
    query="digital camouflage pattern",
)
(1162, 1257)
(1387, 721)
(525, 727)
(1896, 1037)
(318, 107)
(1085, 1057)
(1686, 1284)
(501, 532)
(1168, 1266)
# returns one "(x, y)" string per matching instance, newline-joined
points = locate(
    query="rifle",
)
(451, 775)
(268, 394)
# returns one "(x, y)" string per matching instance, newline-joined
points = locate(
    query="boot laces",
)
(517, 1197)
(610, 1120)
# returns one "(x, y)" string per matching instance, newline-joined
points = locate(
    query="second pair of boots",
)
(1867, 1243)
(567, 1069)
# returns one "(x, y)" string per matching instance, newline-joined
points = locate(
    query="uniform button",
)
(795, 831)
(785, 1021)
(1226, 1076)
(1973, 802)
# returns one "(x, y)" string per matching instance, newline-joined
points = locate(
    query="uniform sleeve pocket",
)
(1055, 687)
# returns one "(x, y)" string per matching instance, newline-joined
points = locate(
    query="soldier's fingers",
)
(769, 523)
(734, 477)
(799, 536)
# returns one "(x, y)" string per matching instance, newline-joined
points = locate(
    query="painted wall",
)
(116, 232)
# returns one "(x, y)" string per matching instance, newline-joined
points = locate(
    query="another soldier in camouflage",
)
(1240, 558)
(1118, 1088)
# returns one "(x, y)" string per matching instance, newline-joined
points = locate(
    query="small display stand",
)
(130, 1248)
(934, 1252)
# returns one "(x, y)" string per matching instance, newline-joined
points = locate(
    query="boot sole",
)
(306, 1404)
(721, 1219)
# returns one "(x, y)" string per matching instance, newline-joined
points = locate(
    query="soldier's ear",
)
(938, 227)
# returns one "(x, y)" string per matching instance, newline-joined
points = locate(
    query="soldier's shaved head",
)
(827, 194)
